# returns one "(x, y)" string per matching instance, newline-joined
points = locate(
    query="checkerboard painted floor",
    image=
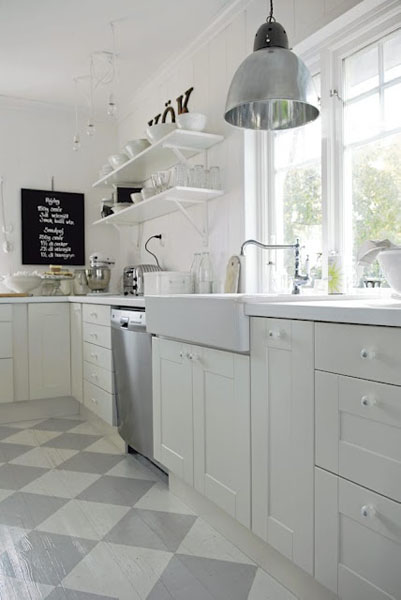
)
(79, 520)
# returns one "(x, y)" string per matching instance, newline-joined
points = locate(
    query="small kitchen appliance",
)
(98, 274)
(133, 279)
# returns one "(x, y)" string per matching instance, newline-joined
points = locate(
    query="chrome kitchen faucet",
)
(298, 280)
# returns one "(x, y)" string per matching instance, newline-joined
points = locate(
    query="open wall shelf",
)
(162, 155)
(176, 198)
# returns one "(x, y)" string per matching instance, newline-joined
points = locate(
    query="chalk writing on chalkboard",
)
(53, 227)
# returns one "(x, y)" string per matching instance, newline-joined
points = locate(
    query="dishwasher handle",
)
(124, 322)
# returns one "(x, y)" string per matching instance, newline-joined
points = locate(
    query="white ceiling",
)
(44, 44)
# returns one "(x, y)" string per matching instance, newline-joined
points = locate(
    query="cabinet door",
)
(282, 431)
(76, 351)
(49, 350)
(6, 380)
(222, 461)
(358, 540)
(172, 408)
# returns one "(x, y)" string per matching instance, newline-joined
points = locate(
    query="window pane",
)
(299, 190)
(362, 119)
(298, 145)
(362, 72)
(376, 193)
(392, 106)
(392, 57)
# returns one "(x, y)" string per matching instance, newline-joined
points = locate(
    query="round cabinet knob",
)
(94, 400)
(367, 354)
(194, 357)
(275, 335)
(368, 511)
(93, 315)
(93, 335)
(368, 401)
(182, 354)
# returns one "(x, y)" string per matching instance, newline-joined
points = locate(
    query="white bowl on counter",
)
(390, 262)
(134, 147)
(118, 160)
(21, 284)
(154, 133)
(192, 121)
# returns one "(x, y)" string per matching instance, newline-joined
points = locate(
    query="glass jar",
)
(205, 274)
(195, 272)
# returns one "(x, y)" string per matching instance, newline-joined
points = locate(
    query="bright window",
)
(372, 148)
(293, 175)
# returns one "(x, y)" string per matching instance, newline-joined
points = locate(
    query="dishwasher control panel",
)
(127, 318)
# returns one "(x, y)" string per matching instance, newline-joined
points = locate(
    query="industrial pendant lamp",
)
(272, 89)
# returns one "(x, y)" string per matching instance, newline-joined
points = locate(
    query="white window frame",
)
(323, 53)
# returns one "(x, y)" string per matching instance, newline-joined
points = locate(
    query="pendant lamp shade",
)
(272, 89)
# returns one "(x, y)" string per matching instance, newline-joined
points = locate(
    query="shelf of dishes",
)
(159, 205)
(160, 155)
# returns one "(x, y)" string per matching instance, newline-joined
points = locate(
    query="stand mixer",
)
(98, 274)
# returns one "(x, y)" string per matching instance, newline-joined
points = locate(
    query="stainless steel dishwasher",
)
(132, 355)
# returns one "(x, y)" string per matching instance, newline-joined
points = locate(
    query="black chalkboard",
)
(53, 228)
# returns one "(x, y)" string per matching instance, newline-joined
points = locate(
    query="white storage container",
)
(161, 283)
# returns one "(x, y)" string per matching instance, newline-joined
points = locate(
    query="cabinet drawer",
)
(102, 357)
(360, 351)
(6, 312)
(96, 313)
(100, 402)
(97, 334)
(100, 377)
(358, 431)
(6, 380)
(6, 340)
(358, 540)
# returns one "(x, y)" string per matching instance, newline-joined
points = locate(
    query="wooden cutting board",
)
(232, 275)
(11, 295)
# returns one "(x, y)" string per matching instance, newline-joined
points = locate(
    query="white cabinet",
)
(173, 408)
(49, 350)
(201, 414)
(222, 444)
(358, 540)
(6, 354)
(282, 426)
(358, 431)
(98, 369)
(76, 351)
(6, 380)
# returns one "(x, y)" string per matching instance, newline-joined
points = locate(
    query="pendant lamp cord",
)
(270, 18)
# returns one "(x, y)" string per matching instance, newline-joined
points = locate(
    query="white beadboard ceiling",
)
(44, 44)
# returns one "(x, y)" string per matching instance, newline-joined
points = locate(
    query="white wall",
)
(209, 67)
(36, 143)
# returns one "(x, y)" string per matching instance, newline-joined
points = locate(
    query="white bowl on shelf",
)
(116, 208)
(134, 147)
(105, 170)
(148, 192)
(154, 133)
(118, 160)
(192, 121)
(136, 197)
(390, 262)
(21, 284)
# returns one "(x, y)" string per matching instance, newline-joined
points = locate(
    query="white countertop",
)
(372, 310)
(366, 311)
(132, 301)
